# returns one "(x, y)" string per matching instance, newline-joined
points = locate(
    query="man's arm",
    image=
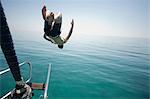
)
(45, 36)
(70, 32)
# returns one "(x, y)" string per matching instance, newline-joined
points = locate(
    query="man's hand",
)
(70, 32)
(72, 22)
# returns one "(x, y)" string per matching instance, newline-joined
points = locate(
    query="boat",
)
(28, 81)
(25, 88)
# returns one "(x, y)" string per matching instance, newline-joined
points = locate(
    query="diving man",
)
(52, 27)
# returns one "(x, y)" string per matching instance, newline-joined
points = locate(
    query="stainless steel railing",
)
(7, 70)
(21, 64)
(45, 96)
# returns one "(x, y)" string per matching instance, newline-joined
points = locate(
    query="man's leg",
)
(47, 28)
(56, 30)
(49, 17)
(58, 17)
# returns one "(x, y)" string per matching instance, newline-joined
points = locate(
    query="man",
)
(52, 27)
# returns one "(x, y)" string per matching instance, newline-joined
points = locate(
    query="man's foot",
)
(49, 17)
(44, 12)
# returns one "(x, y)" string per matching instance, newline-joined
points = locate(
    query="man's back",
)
(56, 40)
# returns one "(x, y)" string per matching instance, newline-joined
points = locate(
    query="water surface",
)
(99, 68)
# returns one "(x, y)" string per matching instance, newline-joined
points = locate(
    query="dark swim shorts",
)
(52, 30)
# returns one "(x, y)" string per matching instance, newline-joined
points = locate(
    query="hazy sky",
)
(92, 17)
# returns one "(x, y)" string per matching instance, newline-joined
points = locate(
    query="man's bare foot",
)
(44, 12)
(49, 17)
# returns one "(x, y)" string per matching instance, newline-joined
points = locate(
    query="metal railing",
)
(7, 70)
(45, 96)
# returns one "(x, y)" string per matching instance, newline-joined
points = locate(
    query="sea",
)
(103, 67)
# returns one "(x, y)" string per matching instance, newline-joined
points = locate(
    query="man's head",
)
(60, 46)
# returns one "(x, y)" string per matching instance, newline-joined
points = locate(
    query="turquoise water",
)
(99, 68)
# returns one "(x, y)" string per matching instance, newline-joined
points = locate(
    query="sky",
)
(125, 18)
